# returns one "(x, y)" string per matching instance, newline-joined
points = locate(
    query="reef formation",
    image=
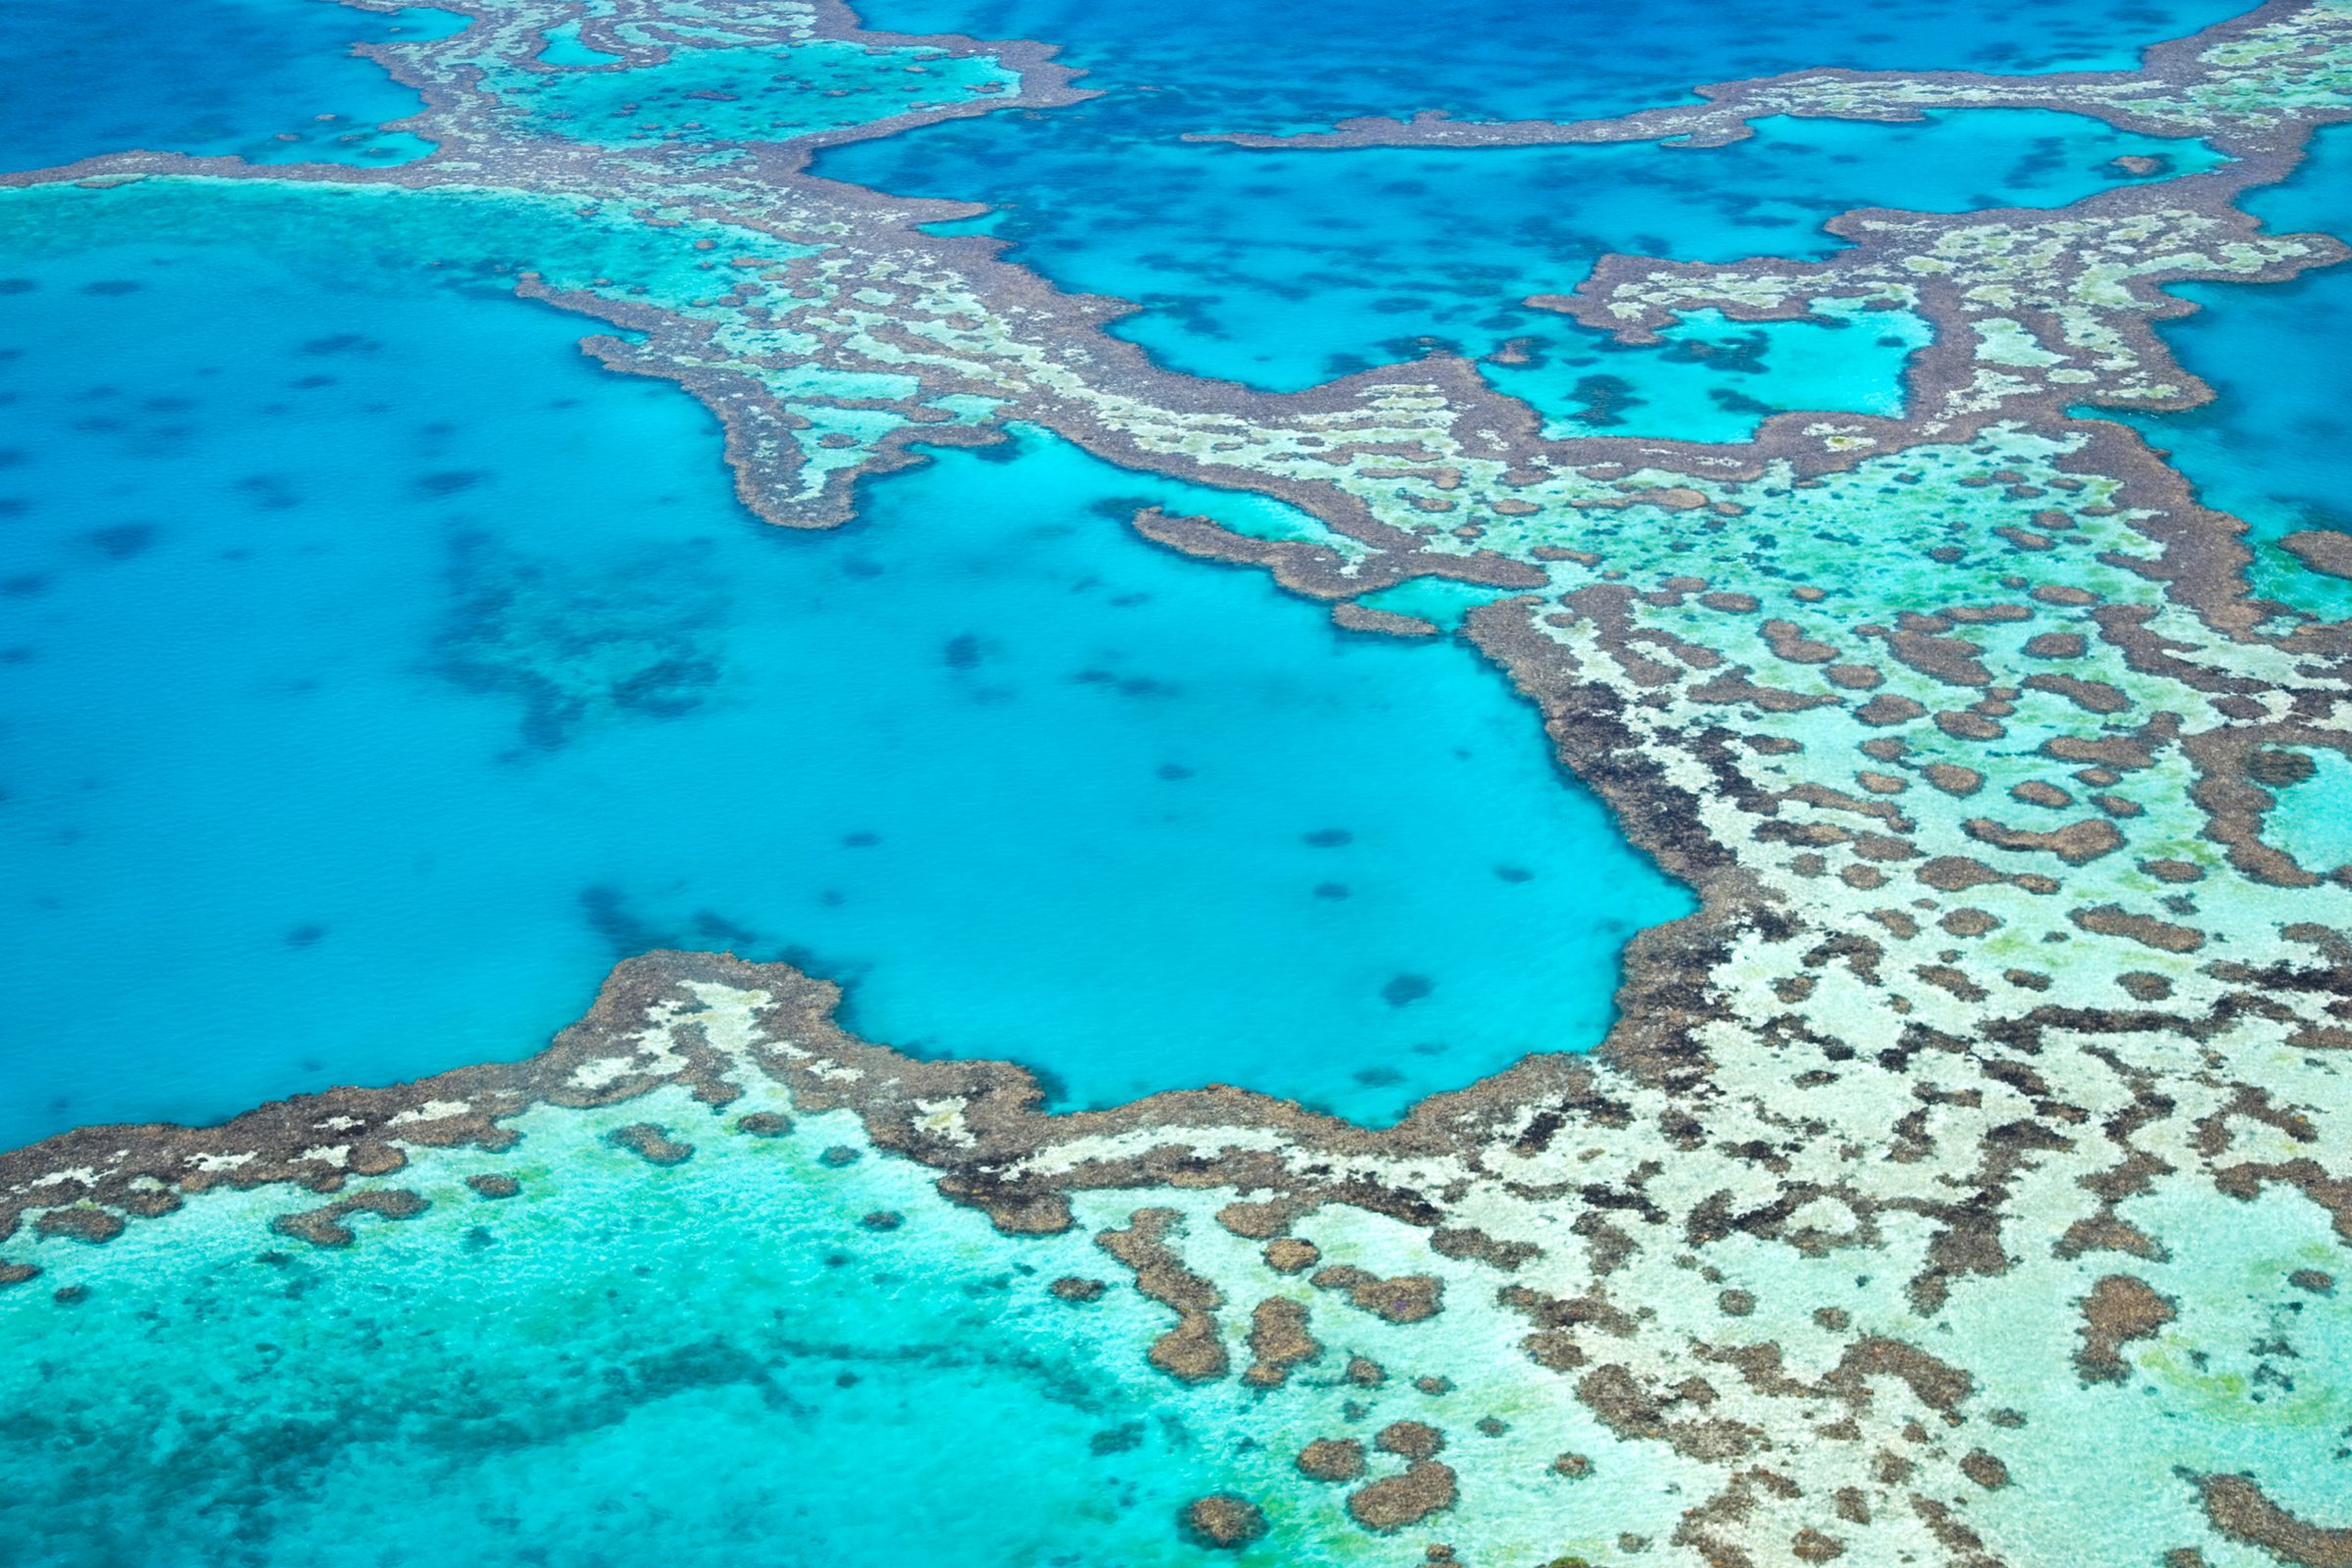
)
(1963, 1184)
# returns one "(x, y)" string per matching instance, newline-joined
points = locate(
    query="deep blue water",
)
(378, 672)
(2275, 447)
(1279, 65)
(1286, 269)
(249, 77)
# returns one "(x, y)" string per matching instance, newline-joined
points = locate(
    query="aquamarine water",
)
(2309, 821)
(616, 1384)
(270, 81)
(379, 672)
(1283, 269)
(2275, 447)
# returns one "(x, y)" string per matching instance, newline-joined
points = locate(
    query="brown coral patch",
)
(323, 1226)
(2239, 1509)
(84, 1222)
(1406, 1299)
(1332, 1459)
(1193, 1351)
(2120, 1309)
(1392, 1502)
(2112, 921)
(1278, 1341)
(1224, 1521)
(2324, 550)
(2076, 843)
(651, 1144)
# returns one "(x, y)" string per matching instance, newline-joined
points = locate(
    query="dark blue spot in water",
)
(1331, 890)
(1327, 838)
(269, 492)
(124, 541)
(712, 927)
(1124, 1438)
(111, 286)
(964, 651)
(1406, 989)
(609, 914)
(304, 936)
(450, 483)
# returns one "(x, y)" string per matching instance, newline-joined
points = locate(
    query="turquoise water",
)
(2310, 821)
(710, 1401)
(272, 82)
(2275, 447)
(1279, 65)
(379, 672)
(1286, 269)
(766, 1353)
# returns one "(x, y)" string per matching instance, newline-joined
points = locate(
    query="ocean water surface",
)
(1249, 65)
(270, 81)
(380, 670)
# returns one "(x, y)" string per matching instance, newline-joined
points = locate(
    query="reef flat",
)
(1963, 1183)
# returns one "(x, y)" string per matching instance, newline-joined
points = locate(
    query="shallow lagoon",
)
(362, 706)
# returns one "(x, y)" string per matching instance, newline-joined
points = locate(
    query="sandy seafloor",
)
(1819, 739)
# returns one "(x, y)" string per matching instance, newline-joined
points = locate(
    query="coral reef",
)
(1992, 1104)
